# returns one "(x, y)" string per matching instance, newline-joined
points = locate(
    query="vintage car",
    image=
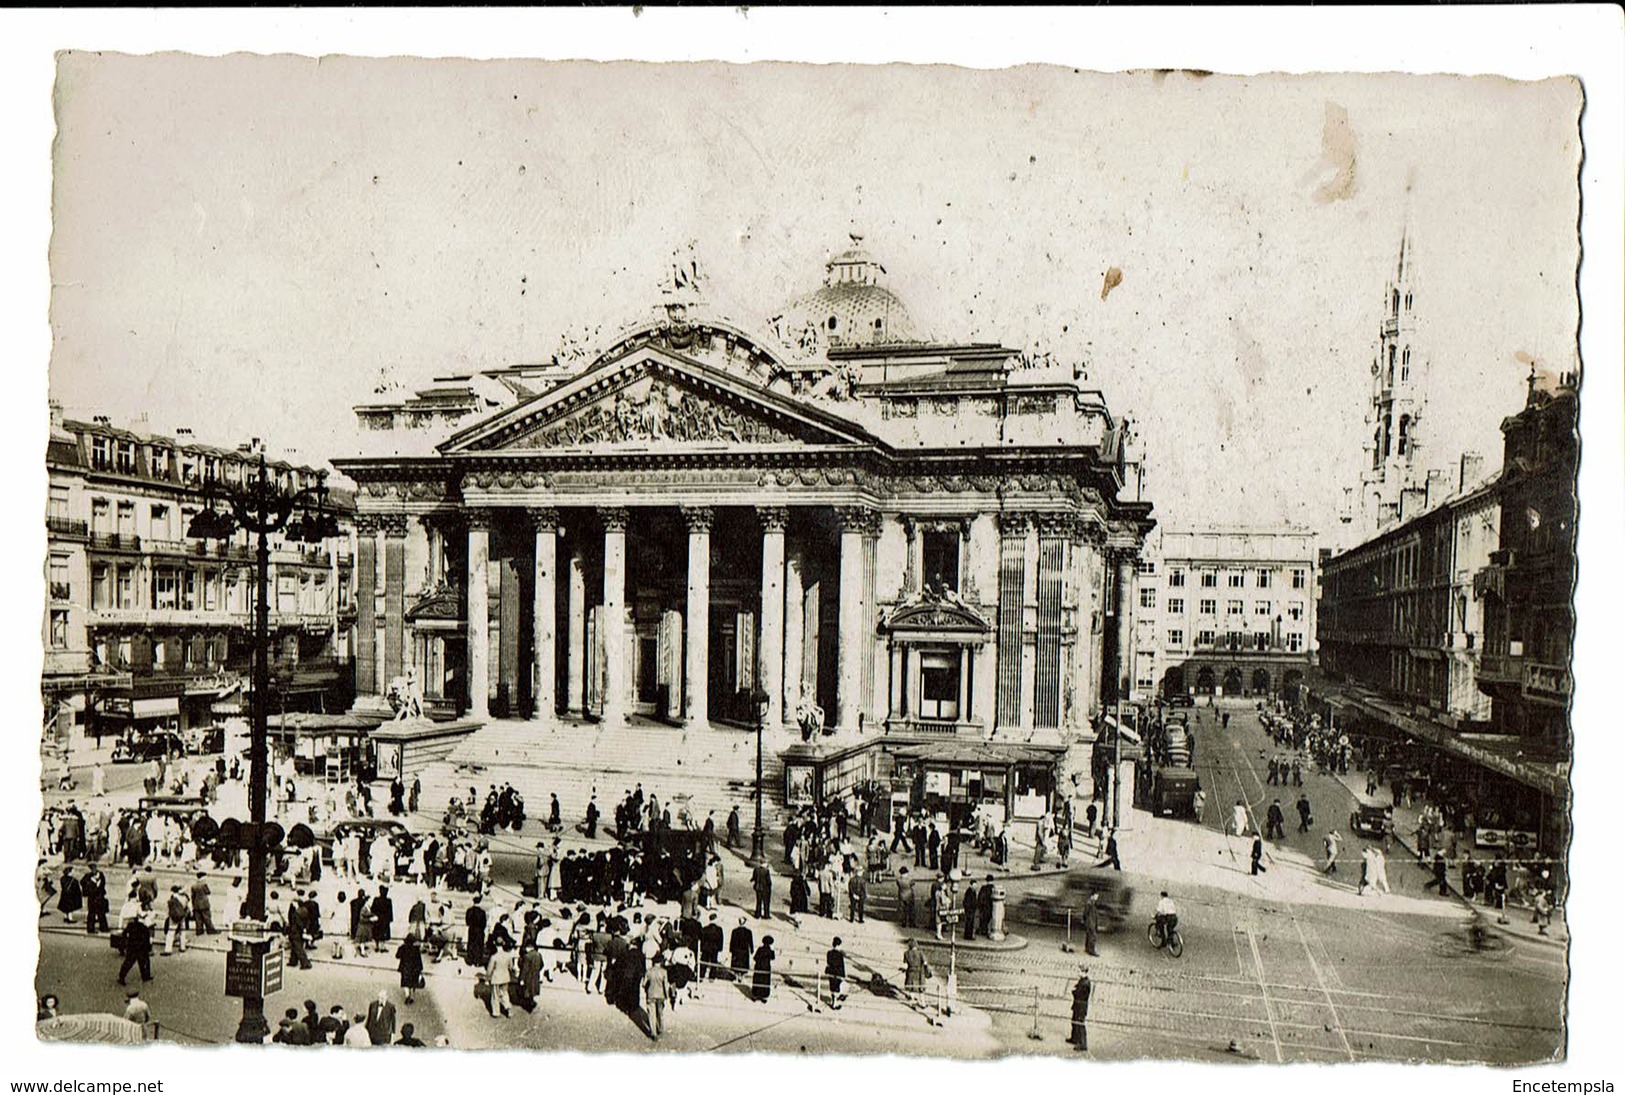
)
(1370, 819)
(1173, 792)
(368, 828)
(1180, 699)
(1053, 907)
(138, 749)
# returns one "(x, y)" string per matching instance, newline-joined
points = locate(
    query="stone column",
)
(795, 607)
(770, 650)
(697, 621)
(1126, 569)
(855, 524)
(546, 524)
(366, 605)
(394, 527)
(614, 614)
(479, 614)
(575, 657)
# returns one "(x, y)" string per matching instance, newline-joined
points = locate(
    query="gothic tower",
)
(1398, 397)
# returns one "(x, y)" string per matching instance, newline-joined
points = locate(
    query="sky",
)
(246, 245)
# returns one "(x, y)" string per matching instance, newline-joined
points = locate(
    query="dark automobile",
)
(1181, 700)
(1173, 792)
(1370, 819)
(1053, 907)
(207, 739)
(147, 747)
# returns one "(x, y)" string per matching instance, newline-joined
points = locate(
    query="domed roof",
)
(853, 308)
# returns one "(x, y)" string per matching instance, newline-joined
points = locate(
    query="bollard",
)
(1033, 1034)
(996, 922)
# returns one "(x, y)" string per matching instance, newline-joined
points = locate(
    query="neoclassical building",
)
(921, 538)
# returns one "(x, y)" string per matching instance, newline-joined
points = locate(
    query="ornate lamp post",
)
(261, 507)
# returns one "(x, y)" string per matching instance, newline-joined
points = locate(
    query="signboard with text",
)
(253, 968)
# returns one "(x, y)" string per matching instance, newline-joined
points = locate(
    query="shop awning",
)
(971, 754)
(155, 708)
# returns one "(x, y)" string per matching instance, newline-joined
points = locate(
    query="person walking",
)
(761, 881)
(761, 986)
(71, 896)
(1258, 854)
(1331, 843)
(1091, 925)
(499, 975)
(94, 888)
(835, 973)
(915, 969)
(137, 947)
(656, 993)
(136, 1009)
(741, 942)
(1079, 1038)
(1110, 855)
(1238, 818)
(380, 1020)
(1275, 822)
(1306, 816)
(178, 911)
(1379, 870)
(202, 909)
(409, 962)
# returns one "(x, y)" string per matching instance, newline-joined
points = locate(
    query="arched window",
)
(1376, 448)
(832, 323)
(1387, 435)
(1396, 303)
(1405, 365)
(1391, 351)
(1404, 433)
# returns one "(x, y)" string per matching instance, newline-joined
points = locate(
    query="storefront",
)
(332, 747)
(959, 780)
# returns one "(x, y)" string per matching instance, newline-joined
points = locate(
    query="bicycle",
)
(1173, 941)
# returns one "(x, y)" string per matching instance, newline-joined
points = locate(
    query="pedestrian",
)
(972, 901)
(475, 919)
(178, 911)
(761, 986)
(1081, 992)
(1238, 818)
(414, 794)
(408, 1031)
(137, 946)
(916, 970)
(741, 943)
(409, 962)
(1091, 925)
(857, 893)
(332, 1028)
(1275, 822)
(202, 910)
(356, 1034)
(94, 888)
(711, 943)
(380, 1020)
(499, 975)
(1331, 843)
(1110, 856)
(656, 993)
(1306, 816)
(1258, 854)
(136, 1009)
(761, 881)
(1379, 870)
(71, 897)
(905, 897)
(835, 973)
(1440, 879)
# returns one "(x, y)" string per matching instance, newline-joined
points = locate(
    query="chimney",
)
(183, 434)
(56, 414)
(1436, 488)
(1412, 500)
(1472, 469)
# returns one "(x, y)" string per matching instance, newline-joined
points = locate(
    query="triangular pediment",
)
(656, 398)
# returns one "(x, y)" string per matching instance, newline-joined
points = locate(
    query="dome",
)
(853, 308)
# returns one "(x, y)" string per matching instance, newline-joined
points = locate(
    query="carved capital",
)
(480, 519)
(393, 525)
(366, 524)
(1052, 526)
(544, 519)
(859, 519)
(698, 518)
(615, 518)
(909, 528)
(1012, 524)
(773, 518)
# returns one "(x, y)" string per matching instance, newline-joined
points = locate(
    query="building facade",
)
(1224, 612)
(146, 628)
(831, 513)
(1399, 613)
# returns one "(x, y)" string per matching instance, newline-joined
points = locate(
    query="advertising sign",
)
(798, 785)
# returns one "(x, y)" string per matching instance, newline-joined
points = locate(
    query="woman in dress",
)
(761, 986)
(409, 961)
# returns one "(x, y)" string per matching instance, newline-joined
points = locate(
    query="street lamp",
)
(261, 507)
(758, 839)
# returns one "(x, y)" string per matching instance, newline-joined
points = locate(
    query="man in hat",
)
(1081, 991)
(741, 944)
(1091, 925)
(136, 1009)
(202, 914)
(835, 971)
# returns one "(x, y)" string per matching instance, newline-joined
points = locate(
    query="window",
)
(1204, 638)
(101, 453)
(59, 578)
(126, 518)
(1146, 566)
(98, 587)
(1300, 578)
(57, 506)
(1209, 606)
(1236, 579)
(1261, 640)
(121, 654)
(164, 589)
(1176, 606)
(59, 629)
(99, 511)
(188, 468)
(1148, 597)
(1176, 637)
(939, 685)
(1294, 610)
(1176, 579)
(1261, 608)
(1210, 579)
(1264, 578)
(126, 457)
(211, 468)
(1294, 641)
(160, 523)
(1236, 608)
(160, 463)
(939, 555)
(126, 588)
(1232, 639)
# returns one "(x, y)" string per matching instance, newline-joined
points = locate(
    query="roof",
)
(304, 722)
(864, 314)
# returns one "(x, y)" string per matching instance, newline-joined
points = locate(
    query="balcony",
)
(1501, 669)
(67, 526)
(61, 591)
(115, 541)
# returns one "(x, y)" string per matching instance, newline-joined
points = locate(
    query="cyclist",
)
(1167, 918)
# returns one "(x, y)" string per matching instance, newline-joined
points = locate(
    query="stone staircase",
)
(714, 767)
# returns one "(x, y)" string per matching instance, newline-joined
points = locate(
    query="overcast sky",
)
(242, 244)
